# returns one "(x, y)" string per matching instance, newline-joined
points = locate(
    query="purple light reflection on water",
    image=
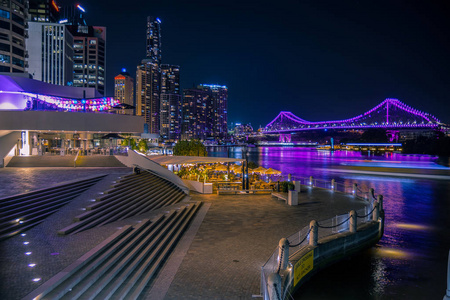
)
(410, 260)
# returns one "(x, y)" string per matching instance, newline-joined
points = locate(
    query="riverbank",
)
(441, 174)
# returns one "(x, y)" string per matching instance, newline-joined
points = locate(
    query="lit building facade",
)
(43, 11)
(148, 81)
(12, 36)
(89, 58)
(72, 15)
(148, 78)
(124, 89)
(205, 112)
(195, 120)
(50, 48)
(171, 103)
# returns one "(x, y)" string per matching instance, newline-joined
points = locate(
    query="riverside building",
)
(171, 103)
(205, 112)
(38, 118)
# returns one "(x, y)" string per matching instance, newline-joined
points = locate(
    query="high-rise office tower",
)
(195, 115)
(50, 48)
(148, 94)
(148, 78)
(154, 39)
(124, 89)
(170, 108)
(12, 36)
(43, 11)
(89, 58)
(205, 112)
(218, 108)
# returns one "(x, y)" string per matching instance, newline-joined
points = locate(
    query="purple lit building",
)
(36, 117)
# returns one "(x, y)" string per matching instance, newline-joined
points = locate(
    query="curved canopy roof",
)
(23, 84)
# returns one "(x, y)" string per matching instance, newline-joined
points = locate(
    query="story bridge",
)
(391, 114)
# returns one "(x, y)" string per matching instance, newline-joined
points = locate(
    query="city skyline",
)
(346, 56)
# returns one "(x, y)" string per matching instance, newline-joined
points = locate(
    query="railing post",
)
(311, 182)
(289, 177)
(447, 294)
(376, 211)
(380, 205)
(314, 233)
(371, 194)
(274, 283)
(283, 253)
(355, 188)
(333, 184)
(352, 223)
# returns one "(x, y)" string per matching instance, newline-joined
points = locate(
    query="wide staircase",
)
(21, 212)
(133, 195)
(125, 264)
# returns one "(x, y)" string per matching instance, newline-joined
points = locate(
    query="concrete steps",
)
(124, 265)
(133, 195)
(21, 212)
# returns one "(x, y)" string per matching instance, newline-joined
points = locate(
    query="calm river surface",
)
(410, 261)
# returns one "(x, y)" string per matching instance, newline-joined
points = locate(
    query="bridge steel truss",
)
(389, 114)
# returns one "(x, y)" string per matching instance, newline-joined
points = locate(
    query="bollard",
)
(297, 186)
(333, 184)
(376, 211)
(355, 188)
(274, 286)
(289, 177)
(311, 180)
(352, 223)
(283, 253)
(314, 233)
(292, 197)
(447, 294)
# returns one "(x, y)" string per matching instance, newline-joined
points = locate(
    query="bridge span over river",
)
(390, 114)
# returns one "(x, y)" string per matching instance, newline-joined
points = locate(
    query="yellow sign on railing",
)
(303, 266)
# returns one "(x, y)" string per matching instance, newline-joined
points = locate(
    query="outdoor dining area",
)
(226, 175)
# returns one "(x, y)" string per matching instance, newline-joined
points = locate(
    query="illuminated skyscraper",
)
(12, 36)
(154, 40)
(148, 78)
(124, 89)
(170, 109)
(148, 94)
(89, 58)
(205, 112)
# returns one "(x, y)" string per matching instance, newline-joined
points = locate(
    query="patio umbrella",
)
(259, 170)
(271, 171)
(221, 168)
(236, 169)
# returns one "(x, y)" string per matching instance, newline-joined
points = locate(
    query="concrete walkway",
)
(237, 236)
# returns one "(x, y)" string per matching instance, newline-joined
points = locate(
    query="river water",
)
(410, 261)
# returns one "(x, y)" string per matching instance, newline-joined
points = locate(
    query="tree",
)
(142, 146)
(190, 148)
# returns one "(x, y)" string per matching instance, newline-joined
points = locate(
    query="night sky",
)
(321, 60)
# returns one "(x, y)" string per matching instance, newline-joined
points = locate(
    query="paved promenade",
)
(230, 239)
(238, 235)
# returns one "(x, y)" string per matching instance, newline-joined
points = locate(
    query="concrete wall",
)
(7, 143)
(134, 158)
(199, 187)
(70, 121)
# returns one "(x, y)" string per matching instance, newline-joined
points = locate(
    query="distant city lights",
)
(124, 70)
(159, 21)
(63, 21)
